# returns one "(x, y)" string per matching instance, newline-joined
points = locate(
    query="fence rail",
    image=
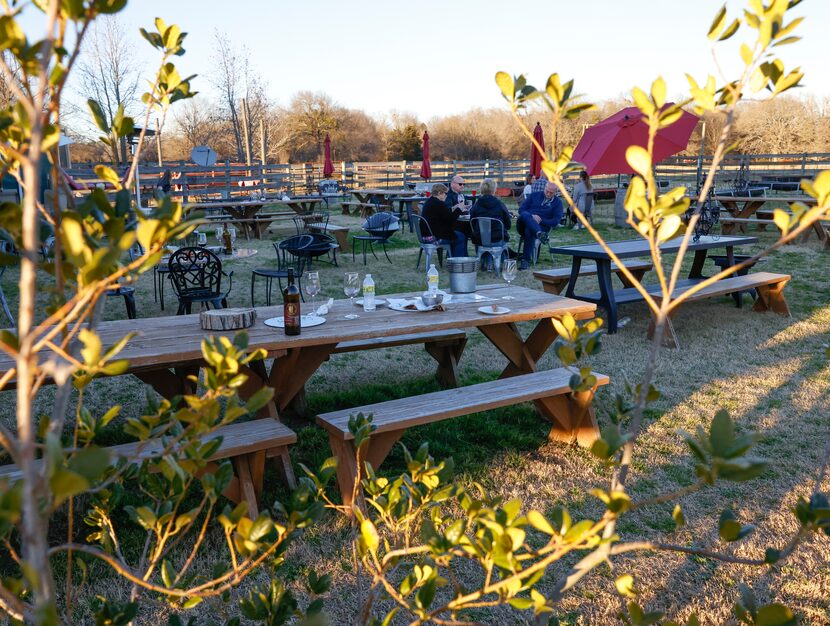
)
(229, 179)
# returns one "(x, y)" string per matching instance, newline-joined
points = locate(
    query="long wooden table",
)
(607, 297)
(745, 207)
(167, 350)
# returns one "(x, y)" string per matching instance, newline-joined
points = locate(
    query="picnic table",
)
(303, 206)
(608, 298)
(365, 196)
(243, 213)
(168, 350)
(743, 210)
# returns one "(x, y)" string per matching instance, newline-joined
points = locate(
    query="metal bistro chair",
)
(380, 228)
(429, 243)
(291, 246)
(485, 227)
(196, 274)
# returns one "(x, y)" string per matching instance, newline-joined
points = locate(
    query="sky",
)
(438, 57)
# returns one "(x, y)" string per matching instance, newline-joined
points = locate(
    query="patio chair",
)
(485, 227)
(279, 272)
(311, 246)
(429, 243)
(380, 228)
(330, 190)
(196, 274)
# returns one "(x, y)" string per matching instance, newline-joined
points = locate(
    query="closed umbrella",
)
(426, 168)
(603, 145)
(328, 166)
(535, 157)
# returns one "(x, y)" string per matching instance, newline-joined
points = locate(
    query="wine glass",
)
(311, 284)
(232, 232)
(508, 273)
(351, 287)
(202, 239)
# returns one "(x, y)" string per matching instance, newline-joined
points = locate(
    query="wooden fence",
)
(227, 179)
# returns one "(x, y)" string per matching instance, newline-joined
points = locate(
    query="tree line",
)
(240, 110)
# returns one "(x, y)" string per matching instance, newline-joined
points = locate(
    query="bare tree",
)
(109, 73)
(235, 79)
(310, 116)
(196, 123)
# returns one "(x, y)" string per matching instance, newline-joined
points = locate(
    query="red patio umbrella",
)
(328, 166)
(603, 145)
(535, 157)
(426, 168)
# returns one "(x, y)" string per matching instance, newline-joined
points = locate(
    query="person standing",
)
(442, 221)
(455, 196)
(538, 214)
(583, 197)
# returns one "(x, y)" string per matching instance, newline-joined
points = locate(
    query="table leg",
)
(575, 267)
(290, 373)
(169, 383)
(606, 291)
(571, 416)
(699, 260)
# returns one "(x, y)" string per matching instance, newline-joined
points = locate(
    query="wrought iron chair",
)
(429, 243)
(196, 274)
(485, 228)
(297, 262)
(380, 228)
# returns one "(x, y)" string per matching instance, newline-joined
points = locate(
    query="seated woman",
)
(441, 219)
(488, 205)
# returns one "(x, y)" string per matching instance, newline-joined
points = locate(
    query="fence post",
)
(227, 192)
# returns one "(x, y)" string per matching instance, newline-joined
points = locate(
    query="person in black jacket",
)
(488, 205)
(441, 219)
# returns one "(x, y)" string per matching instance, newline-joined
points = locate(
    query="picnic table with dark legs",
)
(608, 298)
(746, 208)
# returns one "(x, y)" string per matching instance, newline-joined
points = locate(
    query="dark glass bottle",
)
(291, 305)
(226, 239)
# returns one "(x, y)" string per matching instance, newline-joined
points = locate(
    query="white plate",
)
(378, 302)
(306, 321)
(488, 310)
(401, 305)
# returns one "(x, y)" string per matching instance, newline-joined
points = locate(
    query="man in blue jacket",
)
(538, 214)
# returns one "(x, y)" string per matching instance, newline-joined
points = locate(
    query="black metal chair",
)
(196, 274)
(282, 249)
(380, 228)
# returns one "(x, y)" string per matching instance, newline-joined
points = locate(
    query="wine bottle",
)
(226, 239)
(291, 305)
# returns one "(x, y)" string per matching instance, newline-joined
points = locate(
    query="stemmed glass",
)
(311, 284)
(232, 232)
(508, 273)
(351, 287)
(202, 239)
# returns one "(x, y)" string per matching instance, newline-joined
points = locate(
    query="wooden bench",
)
(731, 223)
(768, 286)
(555, 280)
(365, 209)
(340, 233)
(575, 419)
(247, 444)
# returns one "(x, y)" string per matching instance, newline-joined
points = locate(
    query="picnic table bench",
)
(555, 280)
(246, 444)
(340, 233)
(257, 224)
(392, 418)
(768, 286)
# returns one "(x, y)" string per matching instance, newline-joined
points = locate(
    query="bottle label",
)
(368, 290)
(292, 314)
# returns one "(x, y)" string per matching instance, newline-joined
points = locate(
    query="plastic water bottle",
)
(368, 293)
(432, 279)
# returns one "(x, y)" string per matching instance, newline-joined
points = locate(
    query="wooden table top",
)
(630, 248)
(167, 341)
(762, 199)
(224, 204)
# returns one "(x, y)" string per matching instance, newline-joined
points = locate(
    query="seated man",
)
(455, 196)
(537, 215)
(442, 221)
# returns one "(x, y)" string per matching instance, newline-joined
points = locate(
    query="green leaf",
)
(66, 484)
(717, 23)
(658, 92)
(722, 433)
(98, 115)
(639, 160)
(678, 517)
(167, 573)
(775, 615)
(369, 536)
(91, 462)
(625, 585)
(506, 85)
(538, 521)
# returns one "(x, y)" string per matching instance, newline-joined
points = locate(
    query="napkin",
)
(324, 308)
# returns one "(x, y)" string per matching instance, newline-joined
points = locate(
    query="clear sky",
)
(435, 57)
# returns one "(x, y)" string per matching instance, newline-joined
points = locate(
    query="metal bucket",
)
(462, 273)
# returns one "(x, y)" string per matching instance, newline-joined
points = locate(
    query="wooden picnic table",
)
(608, 298)
(303, 206)
(243, 213)
(168, 350)
(365, 196)
(745, 207)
